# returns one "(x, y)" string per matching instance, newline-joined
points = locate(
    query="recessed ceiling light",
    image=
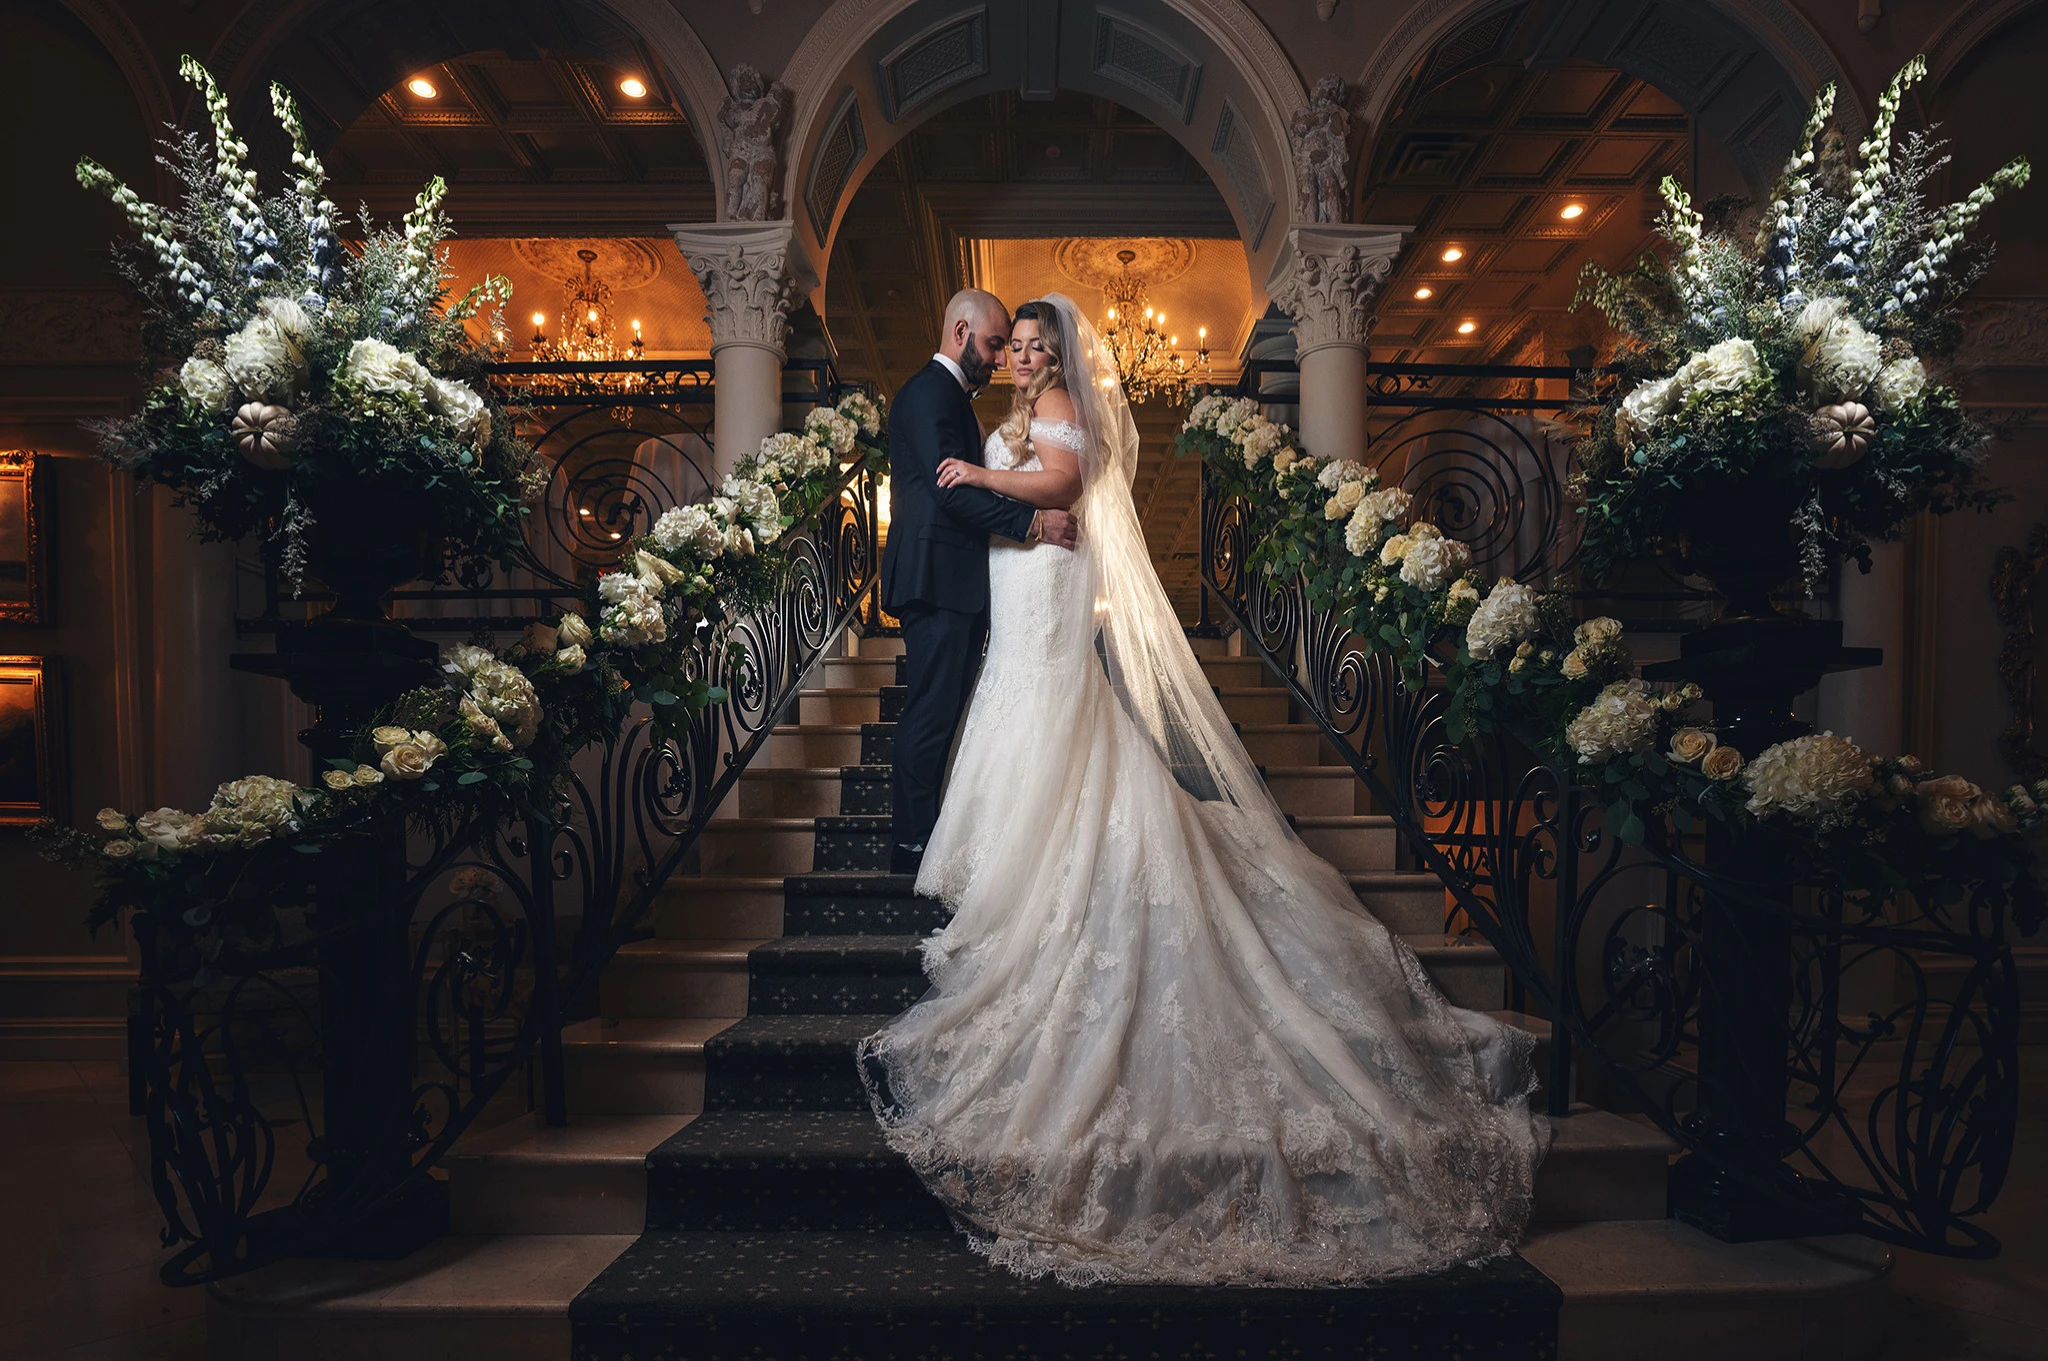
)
(1452, 255)
(1466, 328)
(1571, 210)
(632, 87)
(422, 87)
(1425, 292)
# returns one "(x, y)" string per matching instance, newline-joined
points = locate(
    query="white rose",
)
(1394, 549)
(118, 850)
(112, 820)
(265, 363)
(390, 735)
(572, 630)
(456, 403)
(1722, 367)
(378, 366)
(570, 658)
(207, 384)
(367, 775)
(337, 779)
(1898, 383)
(1690, 746)
(168, 828)
(739, 542)
(407, 761)
(1344, 500)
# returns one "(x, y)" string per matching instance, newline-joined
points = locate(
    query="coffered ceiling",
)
(1489, 163)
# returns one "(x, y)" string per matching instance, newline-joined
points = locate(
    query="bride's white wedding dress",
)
(1164, 1043)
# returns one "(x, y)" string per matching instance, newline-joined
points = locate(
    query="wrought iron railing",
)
(1829, 1061)
(427, 980)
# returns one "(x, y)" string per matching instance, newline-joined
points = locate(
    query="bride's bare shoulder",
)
(1053, 405)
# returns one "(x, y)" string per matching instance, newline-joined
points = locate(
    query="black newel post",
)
(1737, 1187)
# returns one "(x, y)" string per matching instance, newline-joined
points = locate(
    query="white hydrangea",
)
(1899, 383)
(251, 810)
(1820, 778)
(1340, 471)
(687, 529)
(1507, 616)
(1623, 719)
(757, 506)
(784, 456)
(456, 403)
(169, 829)
(1389, 505)
(1205, 411)
(1722, 367)
(379, 366)
(207, 384)
(829, 428)
(1234, 414)
(265, 363)
(1257, 438)
(1432, 561)
(632, 617)
(863, 411)
(502, 691)
(1343, 501)
(1362, 532)
(464, 658)
(1645, 406)
(1842, 361)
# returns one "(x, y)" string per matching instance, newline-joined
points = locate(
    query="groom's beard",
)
(976, 369)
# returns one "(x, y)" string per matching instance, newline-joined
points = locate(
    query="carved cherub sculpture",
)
(1322, 132)
(751, 122)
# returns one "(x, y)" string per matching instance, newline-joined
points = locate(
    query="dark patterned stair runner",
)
(781, 1228)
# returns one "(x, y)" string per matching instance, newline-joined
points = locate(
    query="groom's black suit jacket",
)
(938, 536)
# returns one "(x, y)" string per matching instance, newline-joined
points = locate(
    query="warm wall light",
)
(1452, 255)
(422, 87)
(1571, 210)
(1466, 328)
(1424, 292)
(632, 87)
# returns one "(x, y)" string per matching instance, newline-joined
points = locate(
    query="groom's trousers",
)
(941, 653)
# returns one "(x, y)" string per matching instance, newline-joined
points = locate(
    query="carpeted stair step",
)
(857, 904)
(857, 843)
(768, 1171)
(899, 1296)
(865, 789)
(877, 743)
(787, 1063)
(835, 975)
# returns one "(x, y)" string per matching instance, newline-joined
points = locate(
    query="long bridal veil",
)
(1155, 674)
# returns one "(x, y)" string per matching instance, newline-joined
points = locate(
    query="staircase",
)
(721, 1190)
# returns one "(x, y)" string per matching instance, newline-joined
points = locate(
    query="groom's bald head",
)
(976, 333)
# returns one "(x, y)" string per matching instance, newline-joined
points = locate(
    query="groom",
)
(935, 567)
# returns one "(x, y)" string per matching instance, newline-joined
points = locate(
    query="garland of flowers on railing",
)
(1788, 366)
(1514, 661)
(492, 741)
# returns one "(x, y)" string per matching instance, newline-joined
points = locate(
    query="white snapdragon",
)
(1622, 720)
(1508, 615)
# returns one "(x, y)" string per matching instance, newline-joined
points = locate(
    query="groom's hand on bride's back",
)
(1060, 528)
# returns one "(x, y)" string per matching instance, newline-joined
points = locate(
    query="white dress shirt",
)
(959, 375)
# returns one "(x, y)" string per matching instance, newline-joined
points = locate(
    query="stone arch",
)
(251, 46)
(1962, 33)
(1206, 71)
(131, 52)
(1745, 69)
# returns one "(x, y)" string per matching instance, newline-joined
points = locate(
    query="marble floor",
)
(78, 1272)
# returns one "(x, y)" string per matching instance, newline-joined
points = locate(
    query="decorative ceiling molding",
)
(1134, 56)
(1961, 34)
(1091, 261)
(1233, 146)
(949, 53)
(844, 146)
(137, 62)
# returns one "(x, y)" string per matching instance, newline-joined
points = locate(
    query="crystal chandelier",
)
(1148, 358)
(584, 336)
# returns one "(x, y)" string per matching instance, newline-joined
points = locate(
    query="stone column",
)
(1326, 277)
(753, 274)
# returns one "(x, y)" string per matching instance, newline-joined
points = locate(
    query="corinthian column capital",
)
(752, 274)
(1326, 277)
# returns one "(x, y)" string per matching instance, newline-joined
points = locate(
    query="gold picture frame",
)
(32, 760)
(2019, 586)
(24, 541)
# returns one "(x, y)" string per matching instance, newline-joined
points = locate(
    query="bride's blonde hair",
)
(1016, 427)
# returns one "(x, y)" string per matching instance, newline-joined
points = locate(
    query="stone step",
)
(728, 1295)
(1467, 969)
(1237, 671)
(1406, 902)
(637, 1065)
(1309, 791)
(788, 791)
(504, 1296)
(1282, 744)
(811, 746)
(1354, 842)
(759, 846)
(664, 977)
(829, 707)
(1255, 703)
(1636, 1289)
(856, 673)
(877, 646)
(719, 907)
(589, 1176)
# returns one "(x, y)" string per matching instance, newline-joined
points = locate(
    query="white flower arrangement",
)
(1818, 779)
(1621, 721)
(1507, 616)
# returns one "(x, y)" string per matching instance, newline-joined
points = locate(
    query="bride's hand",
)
(956, 473)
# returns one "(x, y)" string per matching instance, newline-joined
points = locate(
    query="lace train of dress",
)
(1163, 1041)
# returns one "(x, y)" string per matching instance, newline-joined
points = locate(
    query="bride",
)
(1163, 1041)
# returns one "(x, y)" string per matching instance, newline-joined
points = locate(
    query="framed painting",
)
(24, 541)
(32, 763)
